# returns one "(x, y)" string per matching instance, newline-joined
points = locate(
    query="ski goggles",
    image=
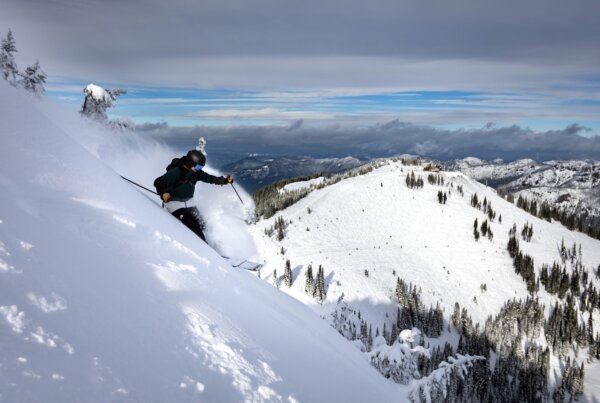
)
(199, 167)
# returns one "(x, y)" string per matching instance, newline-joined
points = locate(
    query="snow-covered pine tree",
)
(274, 279)
(98, 100)
(201, 145)
(34, 78)
(8, 65)
(287, 274)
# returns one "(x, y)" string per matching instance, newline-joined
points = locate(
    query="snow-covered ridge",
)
(105, 297)
(571, 186)
(529, 173)
(302, 184)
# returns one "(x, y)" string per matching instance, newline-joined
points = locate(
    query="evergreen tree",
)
(287, 274)
(475, 230)
(8, 65)
(484, 227)
(280, 225)
(413, 182)
(455, 317)
(474, 200)
(98, 100)
(309, 286)
(491, 213)
(513, 247)
(527, 232)
(322, 284)
(34, 79)
(319, 289)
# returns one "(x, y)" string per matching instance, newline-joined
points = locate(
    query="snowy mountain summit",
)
(474, 280)
(105, 297)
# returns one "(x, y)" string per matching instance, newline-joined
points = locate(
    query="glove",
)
(166, 197)
(229, 179)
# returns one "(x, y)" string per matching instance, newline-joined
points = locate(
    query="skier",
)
(176, 188)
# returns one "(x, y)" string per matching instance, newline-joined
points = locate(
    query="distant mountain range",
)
(527, 173)
(258, 171)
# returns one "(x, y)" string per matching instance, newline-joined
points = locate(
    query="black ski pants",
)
(190, 216)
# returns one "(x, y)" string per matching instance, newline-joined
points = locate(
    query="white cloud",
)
(261, 114)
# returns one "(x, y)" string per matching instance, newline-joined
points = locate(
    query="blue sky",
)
(449, 109)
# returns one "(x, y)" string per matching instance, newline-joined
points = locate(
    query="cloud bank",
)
(392, 138)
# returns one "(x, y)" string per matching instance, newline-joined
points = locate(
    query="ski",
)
(244, 264)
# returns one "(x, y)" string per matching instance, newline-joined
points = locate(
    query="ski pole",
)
(137, 184)
(238, 195)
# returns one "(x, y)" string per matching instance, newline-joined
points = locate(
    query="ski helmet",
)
(195, 157)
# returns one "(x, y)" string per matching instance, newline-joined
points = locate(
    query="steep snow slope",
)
(104, 297)
(376, 223)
